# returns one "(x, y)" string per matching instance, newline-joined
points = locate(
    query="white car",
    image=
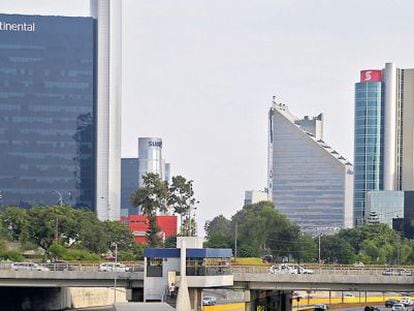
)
(303, 270)
(111, 266)
(398, 307)
(283, 269)
(16, 266)
(406, 301)
(209, 300)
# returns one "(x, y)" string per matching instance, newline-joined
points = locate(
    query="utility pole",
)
(319, 250)
(115, 268)
(235, 241)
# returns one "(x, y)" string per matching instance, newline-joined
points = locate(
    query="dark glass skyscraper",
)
(368, 162)
(47, 110)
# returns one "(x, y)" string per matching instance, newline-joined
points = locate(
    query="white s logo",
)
(368, 75)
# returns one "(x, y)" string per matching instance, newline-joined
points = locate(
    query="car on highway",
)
(209, 300)
(397, 272)
(371, 308)
(398, 307)
(321, 307)
(406, 301)
(283, 269)
(16, 266)
(111, 266)
(390, 302)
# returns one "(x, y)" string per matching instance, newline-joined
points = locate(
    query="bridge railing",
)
(79, 267)
(330, 270)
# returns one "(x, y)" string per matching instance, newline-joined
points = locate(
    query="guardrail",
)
(332, 270)
(70, 267)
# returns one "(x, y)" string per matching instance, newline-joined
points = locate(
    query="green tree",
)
(15, 222)
(335, 249)
(261, 228)
(218, 225)
(152, 198)
(181, 199)
(218, 240)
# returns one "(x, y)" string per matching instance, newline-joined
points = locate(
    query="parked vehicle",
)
(111, 266)
(16, 266)
(321, 307)
(209, 300)
(390, 302)
(398, 307)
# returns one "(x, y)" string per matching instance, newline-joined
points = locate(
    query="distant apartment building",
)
(150, 160)
(255, 196)
(308, 180)
(384, 134)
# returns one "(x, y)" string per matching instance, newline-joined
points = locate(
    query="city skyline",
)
(207, 88)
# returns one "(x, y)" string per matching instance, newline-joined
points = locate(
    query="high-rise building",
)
(308, 180)
(108, 15)
(129, 183)
(255, 196)
(60, 97)
(150, 160)
(47, 110)
(384, 134)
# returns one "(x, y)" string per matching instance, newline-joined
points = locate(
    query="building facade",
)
(129, 183)
(108, 15)
(255, 196)
(308, 180)
(60, 103)
(387, 205)
(150, 160)
(47, 110)
(384, 133)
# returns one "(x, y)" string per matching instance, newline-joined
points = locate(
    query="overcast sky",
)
(201, 75)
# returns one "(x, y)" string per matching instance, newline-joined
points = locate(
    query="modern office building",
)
(108, 15)
(60, 84)
(129, 183)
(47, 110)
(387, 205)
(308, 180)
(150, 160)
(255, 196)
(384, 134)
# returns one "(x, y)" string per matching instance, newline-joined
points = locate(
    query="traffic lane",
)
(381, 307)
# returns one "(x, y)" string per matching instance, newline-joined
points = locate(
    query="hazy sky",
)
(201, 75)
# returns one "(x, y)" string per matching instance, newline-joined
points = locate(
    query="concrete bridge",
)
(243, 277)
(50, 288)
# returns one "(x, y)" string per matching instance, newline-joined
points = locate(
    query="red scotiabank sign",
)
(371, 75)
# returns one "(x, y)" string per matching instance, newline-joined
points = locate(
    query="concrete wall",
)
(85, 297)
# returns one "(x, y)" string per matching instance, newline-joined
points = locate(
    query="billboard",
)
(372, 75)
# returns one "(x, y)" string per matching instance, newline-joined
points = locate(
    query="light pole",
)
(60, 201)
(319, 250)
(113, 244)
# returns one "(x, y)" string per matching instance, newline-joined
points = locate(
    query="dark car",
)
(371, 308)
(321, 307)
(390, 302)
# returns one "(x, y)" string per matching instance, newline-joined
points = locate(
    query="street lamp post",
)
(113, 244)
(60, 202)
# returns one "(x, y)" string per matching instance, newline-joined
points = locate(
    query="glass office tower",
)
(368, 144)
(308, 180)
(47, 110)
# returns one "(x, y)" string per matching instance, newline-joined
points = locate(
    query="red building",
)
(139, 225)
